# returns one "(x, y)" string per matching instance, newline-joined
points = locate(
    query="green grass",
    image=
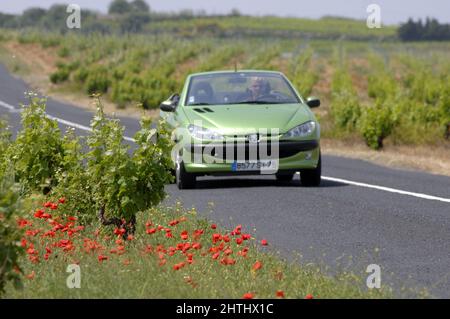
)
(206, 277)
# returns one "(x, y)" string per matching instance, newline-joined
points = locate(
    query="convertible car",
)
(243, 122)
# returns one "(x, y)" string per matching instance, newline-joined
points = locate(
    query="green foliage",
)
(346, 110)
(38, 151)
(97, 81)
(376, 124)
(124, 184)
(10, 234)
(302, 76)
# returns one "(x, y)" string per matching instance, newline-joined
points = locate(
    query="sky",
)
(392, 11)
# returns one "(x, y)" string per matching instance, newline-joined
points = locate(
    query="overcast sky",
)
(392, 11)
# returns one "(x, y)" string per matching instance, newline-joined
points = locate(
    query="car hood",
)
(248, 118)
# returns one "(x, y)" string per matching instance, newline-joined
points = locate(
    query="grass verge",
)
(173, 254)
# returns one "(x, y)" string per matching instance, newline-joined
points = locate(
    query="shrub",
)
(97, 81)
(10, 234)
(124, 184)
(38, 150)
(376, 124)
(59, 76)
(345, 110)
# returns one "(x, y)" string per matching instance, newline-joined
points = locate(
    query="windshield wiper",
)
(256, 102)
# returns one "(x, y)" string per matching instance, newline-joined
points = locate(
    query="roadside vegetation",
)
(92, 202)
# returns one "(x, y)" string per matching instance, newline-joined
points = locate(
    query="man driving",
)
(258, 87)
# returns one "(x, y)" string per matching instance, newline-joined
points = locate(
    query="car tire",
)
(184, 179)
(312, 177)
(284, 177)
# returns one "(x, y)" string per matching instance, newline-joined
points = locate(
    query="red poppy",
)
(31, 276)
(280, 294)
(39, 213)
(309, 296)
(150, 230)
(264, 242)
(71, 218)
(215, 256)
(257, 266)
(227, 252)
(54, 206)
(239, 241)
(119, 231)
(62, 200)
(246, 236)
(196, 246)
(184, 235)
(213, 226)
(226, 239)
(173, 223)
(148, 224)
(130, 237)
(248, 295)
(48, 204)
(102, 258)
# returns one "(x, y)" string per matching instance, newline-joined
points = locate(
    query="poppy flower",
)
(226, 239)
(173, 223)
(184, 235)
(169, 234)
(71, 218)
(162, 262)
(246, 236)
(213, 226)
(102, 258)
(227, 252)
(148, 224)
(257, 266)
(119, 231)
(264, 242)
(215, 256)
(248, 295)
(239, 241)
(47, 204)
(150, 231)
(62, 200)
(309, 296)
(39, 213)
(126, 262)
(32, 275)
(196, 246)
(280, 294)
(130, 237)
(54, 206)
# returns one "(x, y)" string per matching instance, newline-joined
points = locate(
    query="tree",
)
(32, 16)
(119, 7)
(140, 6)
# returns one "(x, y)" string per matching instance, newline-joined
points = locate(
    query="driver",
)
(258, 87)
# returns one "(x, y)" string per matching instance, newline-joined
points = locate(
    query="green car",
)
(243, 123)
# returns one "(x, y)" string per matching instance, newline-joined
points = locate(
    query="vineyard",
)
(374, 91)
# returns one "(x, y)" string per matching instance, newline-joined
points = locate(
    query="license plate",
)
(268, 165)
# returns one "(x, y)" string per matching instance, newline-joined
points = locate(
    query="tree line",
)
(428, 30)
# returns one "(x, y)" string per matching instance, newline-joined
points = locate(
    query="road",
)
(362, 214)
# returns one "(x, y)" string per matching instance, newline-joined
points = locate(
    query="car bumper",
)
(292, 156)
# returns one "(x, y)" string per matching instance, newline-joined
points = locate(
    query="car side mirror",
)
(170, 104)
(312, 101)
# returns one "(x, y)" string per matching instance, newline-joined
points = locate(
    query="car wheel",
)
(284, 177)
(312, 177)
(184, 179)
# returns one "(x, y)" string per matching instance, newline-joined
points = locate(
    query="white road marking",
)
(387, 189)
(333, 179)
(65, 122)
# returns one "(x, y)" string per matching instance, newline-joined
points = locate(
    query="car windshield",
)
(240, 88)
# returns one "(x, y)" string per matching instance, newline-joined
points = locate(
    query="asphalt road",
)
(361, 214)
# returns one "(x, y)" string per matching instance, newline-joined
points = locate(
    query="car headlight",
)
(302, 130)
(203, 133)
